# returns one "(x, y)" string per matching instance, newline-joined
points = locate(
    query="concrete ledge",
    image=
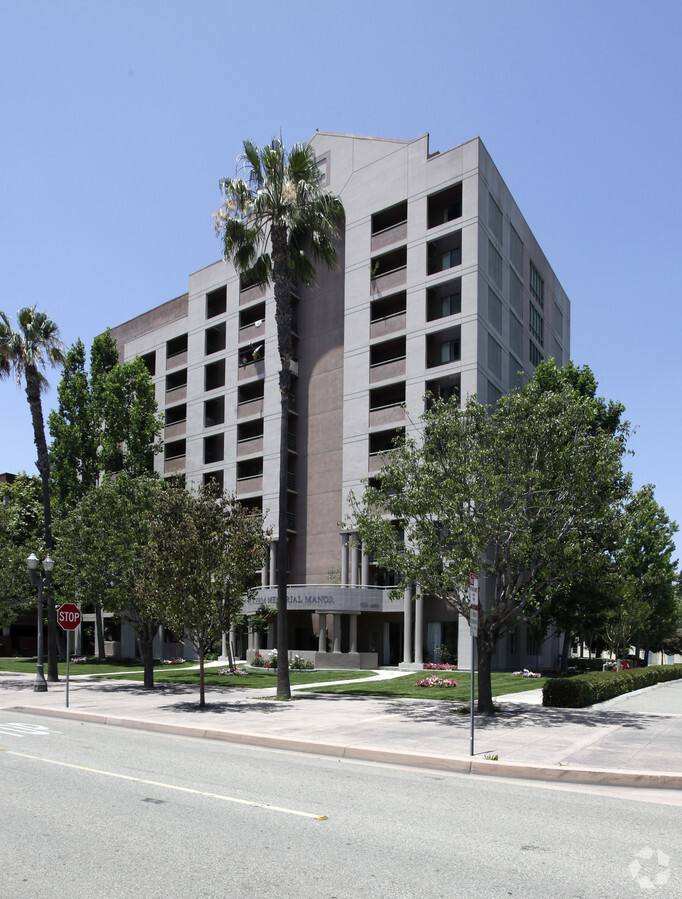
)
(461, 765)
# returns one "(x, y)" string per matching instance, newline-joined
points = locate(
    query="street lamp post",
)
(37, 580)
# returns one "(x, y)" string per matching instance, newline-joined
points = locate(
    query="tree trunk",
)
(280, 256)
(147, 648)
(485, 691)
(563, 665)
(99, 634)
(33, 385)
(202, 691)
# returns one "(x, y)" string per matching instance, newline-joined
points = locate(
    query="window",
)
(535, 355)
(516, 251)
(444, 253)
(494, 310)
(444, 206)
(176, 380)
(214, 412)
(149, 360)
(389, 218)
(176, 346)
(558, 321)
(537, 286)
(389, 262)
(444, 300)
(216, 302)
(445, 389)
(515, 373)
(494, 357)
(174, 449)
(214, 375)
(387, 307)
(536, 325)
(215, 338)
(323, 167)
(388, 351)
(495, 218)
(214, 479)
(515, 335)
(516, 294)
(494, 265)
(176, 414)
(449, 351)
(214, 448)
(494, 394)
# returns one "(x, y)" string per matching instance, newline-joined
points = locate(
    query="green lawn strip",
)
(109, 667)
(404, 687)
(254, 679)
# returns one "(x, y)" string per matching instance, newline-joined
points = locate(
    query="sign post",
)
(473, 630)
(68, 618)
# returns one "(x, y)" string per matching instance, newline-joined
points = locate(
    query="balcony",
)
(444, 253)
(249, 446)
(387, 360)
(444, 300)
(249, 485)
(443, 347)
(388, 271)
(444, 206)
(250, 408)
(253, 369)
(250, 294)
(388, 315)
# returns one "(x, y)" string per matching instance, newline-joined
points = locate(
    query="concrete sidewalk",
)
(635, 740)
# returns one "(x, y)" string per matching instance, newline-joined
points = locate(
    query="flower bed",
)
(435, 681)
(525, 673)
(439, 666)
(232, 672)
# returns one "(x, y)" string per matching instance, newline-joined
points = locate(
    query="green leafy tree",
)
(203, 553)
(101, 556)
(26, 352)
(520, 492)
(21, 533)
(275, 224)
(105, 422)
(648, 613)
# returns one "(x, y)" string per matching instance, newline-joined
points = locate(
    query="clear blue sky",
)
(119, 118)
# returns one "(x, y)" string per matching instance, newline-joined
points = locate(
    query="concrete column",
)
(353, 633)
(272, 635)
(419, 627)
(354, 560)
(264, 574)
(344, 560)
(364, 579)
(233, 641)
(337, 632)
(249, 635)
(322, 637)
(386, 643)
(407, 625)
(273, 563)
(223, 646)
(256, 641)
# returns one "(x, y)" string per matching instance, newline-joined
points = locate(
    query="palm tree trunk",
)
(33, 385)
(280, 257)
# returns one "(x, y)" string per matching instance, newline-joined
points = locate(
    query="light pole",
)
(33, 563)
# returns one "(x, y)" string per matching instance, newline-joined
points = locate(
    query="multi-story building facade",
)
(441, 287)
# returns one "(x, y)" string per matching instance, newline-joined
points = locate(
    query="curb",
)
(460, 765)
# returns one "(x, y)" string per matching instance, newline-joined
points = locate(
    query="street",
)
(88, 809)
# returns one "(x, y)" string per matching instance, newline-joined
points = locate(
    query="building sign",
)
(325, 598)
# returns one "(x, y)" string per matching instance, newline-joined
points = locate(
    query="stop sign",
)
(69, 616)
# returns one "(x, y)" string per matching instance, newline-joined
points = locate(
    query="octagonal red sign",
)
(69, 616)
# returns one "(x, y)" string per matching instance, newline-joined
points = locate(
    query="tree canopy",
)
(203, 552)
(275, 224)
(522, 492)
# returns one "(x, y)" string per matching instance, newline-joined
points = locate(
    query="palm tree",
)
(275, 224)
(34, 345)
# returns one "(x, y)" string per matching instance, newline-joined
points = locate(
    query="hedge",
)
(598, 686)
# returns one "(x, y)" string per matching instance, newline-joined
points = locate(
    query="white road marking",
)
(165, 786)
(15, 729)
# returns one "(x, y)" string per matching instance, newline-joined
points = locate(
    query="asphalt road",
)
(88, 810)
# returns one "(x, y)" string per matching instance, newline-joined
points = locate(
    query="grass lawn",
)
(254, 679)
(92, 666)
(404, 687)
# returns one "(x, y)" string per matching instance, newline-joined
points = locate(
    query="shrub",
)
(598, 686)
(296, 663)
(258, 661)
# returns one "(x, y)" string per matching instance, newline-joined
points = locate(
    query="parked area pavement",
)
(634, 740)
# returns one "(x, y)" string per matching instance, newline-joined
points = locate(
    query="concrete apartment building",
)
(441, 287)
